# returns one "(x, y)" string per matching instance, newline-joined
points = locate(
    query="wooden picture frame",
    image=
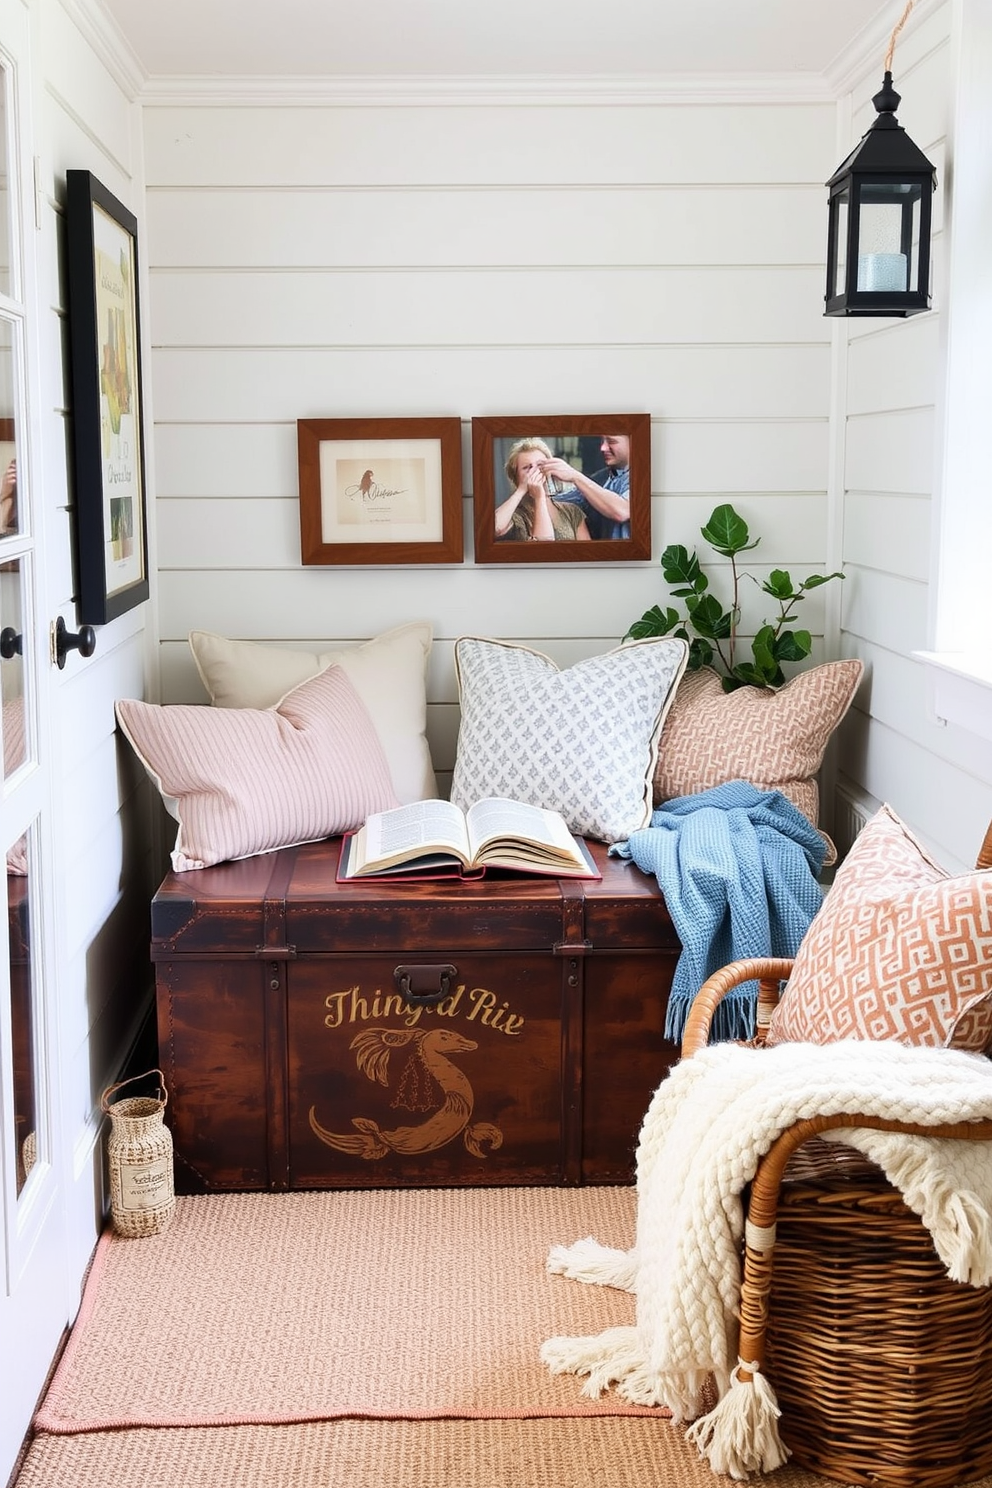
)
(578, 440)
(380, 490)
(111, 528)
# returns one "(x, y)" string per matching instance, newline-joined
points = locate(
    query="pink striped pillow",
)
(250, 780)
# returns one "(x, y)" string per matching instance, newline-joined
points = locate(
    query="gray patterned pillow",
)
(583, 741)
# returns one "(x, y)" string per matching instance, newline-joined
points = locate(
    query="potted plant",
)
(712, 630)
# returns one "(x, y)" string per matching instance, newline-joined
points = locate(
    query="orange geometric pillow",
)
(773, 738)
(899, 950)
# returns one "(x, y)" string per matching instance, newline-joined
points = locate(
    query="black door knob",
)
(83, 641)
(11, 643)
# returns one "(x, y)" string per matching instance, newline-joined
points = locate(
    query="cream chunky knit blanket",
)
(708, 1124)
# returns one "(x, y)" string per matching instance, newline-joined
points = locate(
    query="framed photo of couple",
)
(566, 488)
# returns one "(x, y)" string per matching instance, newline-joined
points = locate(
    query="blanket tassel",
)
(740, 1435)
(589, 1261)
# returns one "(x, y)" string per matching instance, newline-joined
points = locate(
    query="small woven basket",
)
(139, 1156)
(881, 1364)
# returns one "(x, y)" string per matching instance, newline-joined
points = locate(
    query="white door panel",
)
(34, 1290)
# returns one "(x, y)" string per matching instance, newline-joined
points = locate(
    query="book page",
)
(497, 817)
(422, 824)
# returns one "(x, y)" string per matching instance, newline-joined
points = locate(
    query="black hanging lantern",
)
(878, 234)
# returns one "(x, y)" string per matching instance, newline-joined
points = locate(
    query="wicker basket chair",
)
(881, 1364)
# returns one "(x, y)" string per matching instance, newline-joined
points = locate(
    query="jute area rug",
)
(352, 1340)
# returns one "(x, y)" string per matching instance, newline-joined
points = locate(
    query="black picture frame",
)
(493, 438)
(111, 528)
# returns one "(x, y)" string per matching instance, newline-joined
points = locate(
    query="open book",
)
(435, 838)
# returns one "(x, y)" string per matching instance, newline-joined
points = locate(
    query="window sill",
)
(959, 688)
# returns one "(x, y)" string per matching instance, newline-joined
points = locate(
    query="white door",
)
(34, 1288)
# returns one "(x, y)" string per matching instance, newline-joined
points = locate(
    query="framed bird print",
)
(380, 490)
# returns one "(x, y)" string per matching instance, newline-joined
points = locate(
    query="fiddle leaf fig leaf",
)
(682, 567)
(793, 645)
(815, 580)
(701, 654)
(708, 617)
(727, 532)
(779, 585)
(654, 622)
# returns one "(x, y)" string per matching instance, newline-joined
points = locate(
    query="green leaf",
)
(682, 567)
(793, 645)
(815, 580)
(763, 649)
(727, 532)
(709, 618)
(700, 655)
(779, 585)
(746, 675)
(654, 622)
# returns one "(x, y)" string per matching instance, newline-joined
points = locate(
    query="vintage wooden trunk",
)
(318, 1035)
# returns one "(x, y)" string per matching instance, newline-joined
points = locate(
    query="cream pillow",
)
(774, 739)
(899, 950)
(583, 741)
(250, 780)
(388, 673)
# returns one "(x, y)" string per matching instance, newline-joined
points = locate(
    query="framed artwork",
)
(107, 421)
(380, 490)
(566, 488)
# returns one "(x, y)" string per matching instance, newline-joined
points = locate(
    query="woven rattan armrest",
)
(769, 971)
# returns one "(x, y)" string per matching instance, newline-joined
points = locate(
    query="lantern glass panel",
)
(840, 205)
(888, 236)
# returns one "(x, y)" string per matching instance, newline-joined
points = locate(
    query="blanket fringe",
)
(970, 1259)
(616, 1357)
(589, 1261)
(613, 1357)
(740, 1435)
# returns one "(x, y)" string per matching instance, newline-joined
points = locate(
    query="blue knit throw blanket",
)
(738, 868)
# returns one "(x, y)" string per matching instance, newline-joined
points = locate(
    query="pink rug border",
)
(49, 1420)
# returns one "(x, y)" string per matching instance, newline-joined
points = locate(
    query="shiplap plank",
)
(471, 226)
(237, 459)
(888, 532)
(264, 533)
(771, 143)
(791, 528)
(250, 534)
(891, 452)
(510, 601)
(895, 369)
(516, 307)
(707, 456)
(216, 385)
(886, 610)
(950, 808)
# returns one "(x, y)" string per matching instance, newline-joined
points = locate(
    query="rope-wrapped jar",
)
(139, 1156)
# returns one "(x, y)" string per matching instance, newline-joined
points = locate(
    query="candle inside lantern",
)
(882, 271)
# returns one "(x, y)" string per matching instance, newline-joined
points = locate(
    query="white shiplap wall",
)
(938, 778)
(446, 257)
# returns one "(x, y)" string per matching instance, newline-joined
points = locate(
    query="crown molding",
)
(109, 43)
(549, 91)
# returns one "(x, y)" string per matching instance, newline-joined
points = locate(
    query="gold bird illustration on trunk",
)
(428, 1082)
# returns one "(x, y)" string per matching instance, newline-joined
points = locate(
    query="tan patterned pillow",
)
(774, 739)
(899, 950)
